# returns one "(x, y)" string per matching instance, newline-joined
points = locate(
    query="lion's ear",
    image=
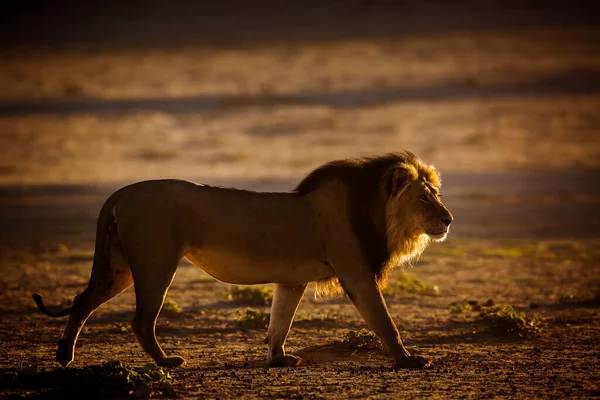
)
(401, 177)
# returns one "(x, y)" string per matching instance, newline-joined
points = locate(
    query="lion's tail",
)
(105, 220)
(40, 303)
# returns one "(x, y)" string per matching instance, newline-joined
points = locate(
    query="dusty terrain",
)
(509, 116)
(537, 257)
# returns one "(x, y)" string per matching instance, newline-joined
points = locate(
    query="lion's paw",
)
(171, 362)
(64, 354)
(287, 360)
(413, 362)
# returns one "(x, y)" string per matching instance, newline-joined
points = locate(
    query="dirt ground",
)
(509, 116)
(551, 275)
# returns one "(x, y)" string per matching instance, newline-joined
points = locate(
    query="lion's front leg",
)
(285, 302)
(368, 300)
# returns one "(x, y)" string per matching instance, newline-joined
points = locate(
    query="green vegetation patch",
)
(457, 308)
(252, 319)
(172, 306)
(112, 379)
(149, 373)
(505, 320)
(460, 308)
(544, 251)
(122, 327)
(359, 340)
(405, 283)
(251, 295)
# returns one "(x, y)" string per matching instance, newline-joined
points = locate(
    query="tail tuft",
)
(38, 300)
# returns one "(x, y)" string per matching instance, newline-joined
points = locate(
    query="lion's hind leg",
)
(285, 302)
(108, 280)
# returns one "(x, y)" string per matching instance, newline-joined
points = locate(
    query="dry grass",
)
(506, 321)
(122, 327)
(363, 339)
(404, 283)
(252, 319)
(251, 295)
(172, 306)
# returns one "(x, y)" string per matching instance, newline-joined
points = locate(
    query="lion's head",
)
(395, 208)
(414, 212)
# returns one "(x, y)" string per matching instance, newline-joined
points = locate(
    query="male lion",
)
(344, 227)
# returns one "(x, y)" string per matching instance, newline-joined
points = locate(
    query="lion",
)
(344, 227)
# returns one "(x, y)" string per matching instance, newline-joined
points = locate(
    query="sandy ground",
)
(510, 119)
(536, 276)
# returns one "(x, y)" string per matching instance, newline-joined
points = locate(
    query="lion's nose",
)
(447, 221)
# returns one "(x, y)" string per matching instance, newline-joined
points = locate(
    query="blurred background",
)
(502, 96)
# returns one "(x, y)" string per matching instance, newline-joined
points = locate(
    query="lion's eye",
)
(424, 199)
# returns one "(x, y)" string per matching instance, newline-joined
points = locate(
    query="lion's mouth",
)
(438, 236)
(437, 233)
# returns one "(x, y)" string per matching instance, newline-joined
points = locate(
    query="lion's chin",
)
(438, 237)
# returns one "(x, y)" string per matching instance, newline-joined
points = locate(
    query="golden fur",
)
(345, 226)
(403, 244)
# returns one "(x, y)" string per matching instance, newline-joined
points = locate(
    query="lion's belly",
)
(235, 268)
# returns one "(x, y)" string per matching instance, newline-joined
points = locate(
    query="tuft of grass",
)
(153, 373)
(457, 309)
(252, 319)
(359, 340)
(251, 296)
(409, 284)
(469, 305)
(138, 378)
(505, 320)
(172, 306)
(122, 327)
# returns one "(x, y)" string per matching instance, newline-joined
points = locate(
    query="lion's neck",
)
(404, 246)
(405, 251)
(407, 248)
